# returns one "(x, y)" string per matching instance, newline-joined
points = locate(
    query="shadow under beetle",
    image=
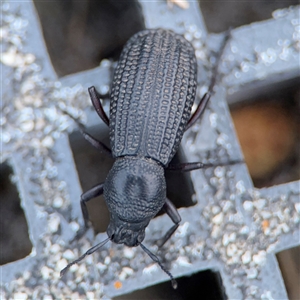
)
(152, 94)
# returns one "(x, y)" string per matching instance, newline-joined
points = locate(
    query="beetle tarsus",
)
(156, 259)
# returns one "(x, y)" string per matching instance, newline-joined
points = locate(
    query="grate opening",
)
(79, 34)
(267, 127)
(289, 263)
(235, 14)
(202, 285)
(179, 185)
(93, 167)
(14, 238)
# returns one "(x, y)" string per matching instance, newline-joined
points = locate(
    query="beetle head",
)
(122, 232)
(134, 191)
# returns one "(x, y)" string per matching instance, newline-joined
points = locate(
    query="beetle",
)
(153, 90)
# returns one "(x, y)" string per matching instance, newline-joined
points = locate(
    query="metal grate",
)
(223, 232)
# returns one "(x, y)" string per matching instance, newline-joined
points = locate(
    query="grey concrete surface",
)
(222, 232)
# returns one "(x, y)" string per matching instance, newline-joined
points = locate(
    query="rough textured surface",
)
(153, 91)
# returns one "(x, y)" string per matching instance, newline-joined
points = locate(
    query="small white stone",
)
(219, 172)
(267, 296)
(284, 227)
(183, 261)
(197, 34)
(197, 44)
(213, 118)
(150, 269)
(259, 258)
(26, 275)
(226, 206)
(5, 137)
(107, 260)
(182, 230)
(47, 297)
(11, 58)
(69, 255)
(2, 120)
(74, 268)
(45, 271)
(105, 63)
(20, 296)
(188, 36)
(62, 263)
(232, 237)
(246, 257)
(215, 209)
(104, 89)
(218, 219)
(252, 273)
(54, 249)
(240, 186)
(101, 267)
(82, 270)
(48, 142)
(129, 252)
(90, 295)
(53, 223)
(225, 239)
(297, 207)
(216, 231)
(29, 58)
(271, 247)
(27, 125)
(128, 271)
(75, 226)
(260, 203)
(27, 86)
(35, 143)
(125, 273)
(58, 202)
(248, 205)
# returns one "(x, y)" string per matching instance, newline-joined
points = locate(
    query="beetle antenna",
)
(156, 259)
(90, 251)
(218, 59)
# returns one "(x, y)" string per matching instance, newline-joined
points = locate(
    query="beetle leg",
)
(199, 111)
(94, 142)
(186, 167)
(172, 212)
(203, 102)
(97, 144)
(85, 197)
(95, 97)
